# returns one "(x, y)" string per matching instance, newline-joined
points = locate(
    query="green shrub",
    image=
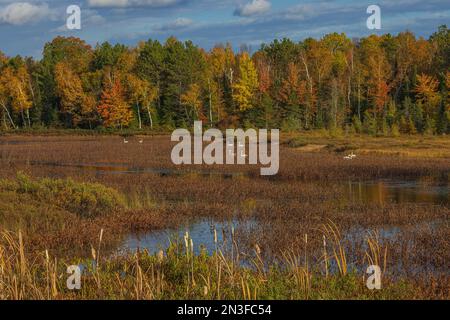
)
(85, 199)
(395, 130)
(345, 147)
(296, 142)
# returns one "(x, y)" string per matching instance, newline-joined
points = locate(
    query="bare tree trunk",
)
(359, 97)
(349, 89)
(9, 116)
(310, 82)
(210, 102)
(33, 98)
(150, 117)
(139, 116)
(23, 118)
(232, 90)
(28, 117)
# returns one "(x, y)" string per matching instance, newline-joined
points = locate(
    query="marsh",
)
(402, 203)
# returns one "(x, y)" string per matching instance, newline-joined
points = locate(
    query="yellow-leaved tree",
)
(15, 93)
(192, 99)
(6, 77)
(141, 94)
(70, 92)
(244, 90)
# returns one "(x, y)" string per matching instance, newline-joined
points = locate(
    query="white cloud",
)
(179, 23)
(131, 3)
(253, 8)
(90, 18)
(24, 12)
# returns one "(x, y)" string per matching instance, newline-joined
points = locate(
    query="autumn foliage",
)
(380, 84)
(113, 108)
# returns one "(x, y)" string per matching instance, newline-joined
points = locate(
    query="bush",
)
(395, 130)
(85, 199)
(370, 124)
(296, 142)
(357, 124)
(290, 124)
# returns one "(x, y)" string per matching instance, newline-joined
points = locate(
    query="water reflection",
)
(120, 168)
(385, 191)
(201, 233)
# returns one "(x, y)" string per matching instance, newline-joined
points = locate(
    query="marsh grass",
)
(308, 193)
(176, 274)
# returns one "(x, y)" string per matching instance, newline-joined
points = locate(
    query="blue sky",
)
(25, 26)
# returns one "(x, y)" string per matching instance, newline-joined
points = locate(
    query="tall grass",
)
(331, 231)
(175, 273)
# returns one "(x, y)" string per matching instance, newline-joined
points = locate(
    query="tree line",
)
(377, 85)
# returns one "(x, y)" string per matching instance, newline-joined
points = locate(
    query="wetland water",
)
(382, 191)
(378, 191)
(201, 233)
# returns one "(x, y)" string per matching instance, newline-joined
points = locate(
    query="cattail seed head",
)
(160, 256)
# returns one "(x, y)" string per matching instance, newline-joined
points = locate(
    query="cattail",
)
(160, 256)
(215, 235)
(205, 291)
(94, 254)
(101, 235)
(325, 256)
(257, 249)
(186, 237)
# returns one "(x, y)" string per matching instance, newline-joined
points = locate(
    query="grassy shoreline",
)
(179, 274)
(421, 146)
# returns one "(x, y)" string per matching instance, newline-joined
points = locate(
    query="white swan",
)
(351, 156)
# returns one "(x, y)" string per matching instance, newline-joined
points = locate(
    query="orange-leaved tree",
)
(427, 93)
(113, 108)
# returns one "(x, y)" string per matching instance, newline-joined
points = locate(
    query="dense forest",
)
(377, 85)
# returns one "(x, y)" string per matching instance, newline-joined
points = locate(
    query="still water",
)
(201, 233)
(383, 191)
(397, 191)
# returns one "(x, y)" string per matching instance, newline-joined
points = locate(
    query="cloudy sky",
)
(25, 26)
